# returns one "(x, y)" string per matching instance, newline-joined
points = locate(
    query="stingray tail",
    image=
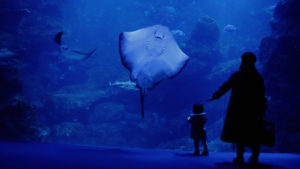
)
(142, 103)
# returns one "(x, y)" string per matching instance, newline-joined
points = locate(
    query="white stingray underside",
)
(151, 54)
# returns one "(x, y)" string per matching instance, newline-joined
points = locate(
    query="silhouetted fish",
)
(229, 28)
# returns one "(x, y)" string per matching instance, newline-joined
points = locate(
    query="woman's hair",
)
(249, 57)
(198, 108)
(248, 60)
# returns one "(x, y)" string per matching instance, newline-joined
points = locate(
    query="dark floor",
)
(35, 155)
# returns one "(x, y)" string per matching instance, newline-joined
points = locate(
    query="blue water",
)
(74, 98)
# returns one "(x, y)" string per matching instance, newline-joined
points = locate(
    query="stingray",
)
(151, 55)
(69, 53)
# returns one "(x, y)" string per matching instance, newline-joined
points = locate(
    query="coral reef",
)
(18, 118)
(112, 125)
(72, 97)
(204, 45)
(69, 132)
(206, 30)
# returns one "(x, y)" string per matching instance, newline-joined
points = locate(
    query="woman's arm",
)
(225, 87)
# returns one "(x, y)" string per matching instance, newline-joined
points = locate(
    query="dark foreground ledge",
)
(36, 155)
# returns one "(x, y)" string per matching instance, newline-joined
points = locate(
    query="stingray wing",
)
(152, 44)
(132, 47)
(173, 56)
(72, 54)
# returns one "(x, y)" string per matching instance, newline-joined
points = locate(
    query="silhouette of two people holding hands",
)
(244, 119)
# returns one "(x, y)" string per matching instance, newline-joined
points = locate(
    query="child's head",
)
(198, 108)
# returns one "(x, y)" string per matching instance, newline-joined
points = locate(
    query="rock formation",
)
(18, 118)
(204, 45)
(280, 54)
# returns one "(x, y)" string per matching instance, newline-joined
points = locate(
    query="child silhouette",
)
(198, 120)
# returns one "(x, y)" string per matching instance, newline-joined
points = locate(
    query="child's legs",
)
(196, 144)
(203, 140)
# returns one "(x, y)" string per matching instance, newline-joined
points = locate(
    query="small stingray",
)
(151, 55)
(69, 53)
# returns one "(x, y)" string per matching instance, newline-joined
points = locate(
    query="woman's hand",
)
(210, 99)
